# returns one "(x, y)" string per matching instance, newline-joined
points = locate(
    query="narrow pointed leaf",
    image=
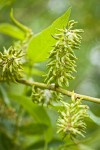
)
(12, 31)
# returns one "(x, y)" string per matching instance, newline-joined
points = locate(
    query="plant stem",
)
(58, 89)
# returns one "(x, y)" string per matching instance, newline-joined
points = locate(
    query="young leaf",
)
(12, 31)
(42, 43)
(17, 23)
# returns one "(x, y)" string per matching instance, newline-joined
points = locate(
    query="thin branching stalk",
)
(58, 89)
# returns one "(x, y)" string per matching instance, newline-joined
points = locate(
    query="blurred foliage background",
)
(18, 128)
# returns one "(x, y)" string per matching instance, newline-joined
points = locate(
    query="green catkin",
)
(62, 59)
(71, 118)
(11, 65)
(45, 97)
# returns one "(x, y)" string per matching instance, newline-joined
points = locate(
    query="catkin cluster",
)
(45, 97)
(62, 59)
(71, 118)
(11, 65)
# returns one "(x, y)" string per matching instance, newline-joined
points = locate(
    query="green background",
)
(23, 126)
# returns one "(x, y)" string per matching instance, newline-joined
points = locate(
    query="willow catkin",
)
(11, 64)
(71, 118)
(62, 59)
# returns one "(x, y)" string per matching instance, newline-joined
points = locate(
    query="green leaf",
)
(38, 112)
(42, 43)
(12, 31)
(84, 147)
(37, 145)
(34, 71)
(94, 118)
(55, 143)
(4, 95)
(29, 129)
